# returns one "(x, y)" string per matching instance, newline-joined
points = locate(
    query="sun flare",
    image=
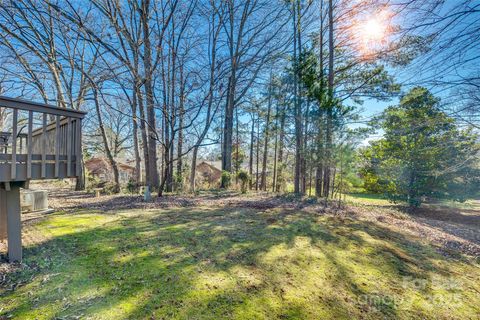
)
(372, 33)
(374, 30)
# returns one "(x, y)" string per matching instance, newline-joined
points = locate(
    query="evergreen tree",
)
(423, 154)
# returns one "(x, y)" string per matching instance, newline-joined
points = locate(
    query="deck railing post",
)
(13, 174)
(69, 147)
(29, 145)
(57, 146)
(44, 146)
(78, 143)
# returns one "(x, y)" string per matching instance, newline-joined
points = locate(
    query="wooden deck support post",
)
(11, 208)
(3, 214)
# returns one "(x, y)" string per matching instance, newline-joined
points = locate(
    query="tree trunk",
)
(193, 170)
(80, 181)
(329, 131)
(250, 160)
(334, 173)
(237, 147)
(263, 184)
(173, 109)
(274, 179)
(135, 138)
(319, 158)
(180, 131)
(257, 158)
(143, 133)
(230, 105)
(302, 130)
(165, 175)
(320, 123)
(305, 145)
(148, 83)
(180, 144)
(228, 128)
(281, 144)
(108, 152)
(297, 107)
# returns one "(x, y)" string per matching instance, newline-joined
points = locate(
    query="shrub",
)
(110, 188)
(244, 178)
(133, 187)
(226, 179)
(178, 181)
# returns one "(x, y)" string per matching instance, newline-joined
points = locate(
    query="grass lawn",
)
(380, 200)
(217, 262)
(368, 199)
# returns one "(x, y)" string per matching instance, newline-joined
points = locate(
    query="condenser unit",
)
(34, 200)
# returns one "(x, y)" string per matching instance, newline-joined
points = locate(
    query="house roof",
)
(208, 171)
(97, 164)
(216, 164)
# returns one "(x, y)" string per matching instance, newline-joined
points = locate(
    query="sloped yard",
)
(227, 259)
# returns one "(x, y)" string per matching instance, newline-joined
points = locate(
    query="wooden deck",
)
(48, 151)
(37, 141)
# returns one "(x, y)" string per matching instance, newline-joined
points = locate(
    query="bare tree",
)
(253, 30)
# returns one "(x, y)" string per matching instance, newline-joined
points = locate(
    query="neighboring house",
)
(209, 173)
(100, 168)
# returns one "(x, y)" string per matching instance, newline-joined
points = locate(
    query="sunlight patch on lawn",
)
(234, 263)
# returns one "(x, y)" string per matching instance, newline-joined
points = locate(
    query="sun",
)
(372, 33)
(374, 30)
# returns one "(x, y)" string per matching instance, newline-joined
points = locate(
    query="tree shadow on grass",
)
(215, 263)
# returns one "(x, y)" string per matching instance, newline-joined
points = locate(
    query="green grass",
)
(467, 205)
(380, 200)
(213, 263)
(368, 199)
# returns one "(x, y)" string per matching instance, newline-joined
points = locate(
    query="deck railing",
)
(38, 141)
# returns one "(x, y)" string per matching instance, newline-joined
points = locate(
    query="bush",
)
(226, 179)
(244, 178)
(133, 187)
(178, 181)
(110, 188)
(92, 181)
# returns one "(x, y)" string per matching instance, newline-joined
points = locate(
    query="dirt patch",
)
(446, 235)
(470, 216)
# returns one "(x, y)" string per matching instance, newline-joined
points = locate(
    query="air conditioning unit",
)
(34, 200)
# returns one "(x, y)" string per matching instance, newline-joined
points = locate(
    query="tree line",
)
(279, 83)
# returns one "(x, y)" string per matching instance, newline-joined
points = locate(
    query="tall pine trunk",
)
(263, 184)
(330, 105)
(281, 144)
(297, 102)
(319, 147)
(250, 158)
(274, 179)
(180, 133)
(257, 158)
